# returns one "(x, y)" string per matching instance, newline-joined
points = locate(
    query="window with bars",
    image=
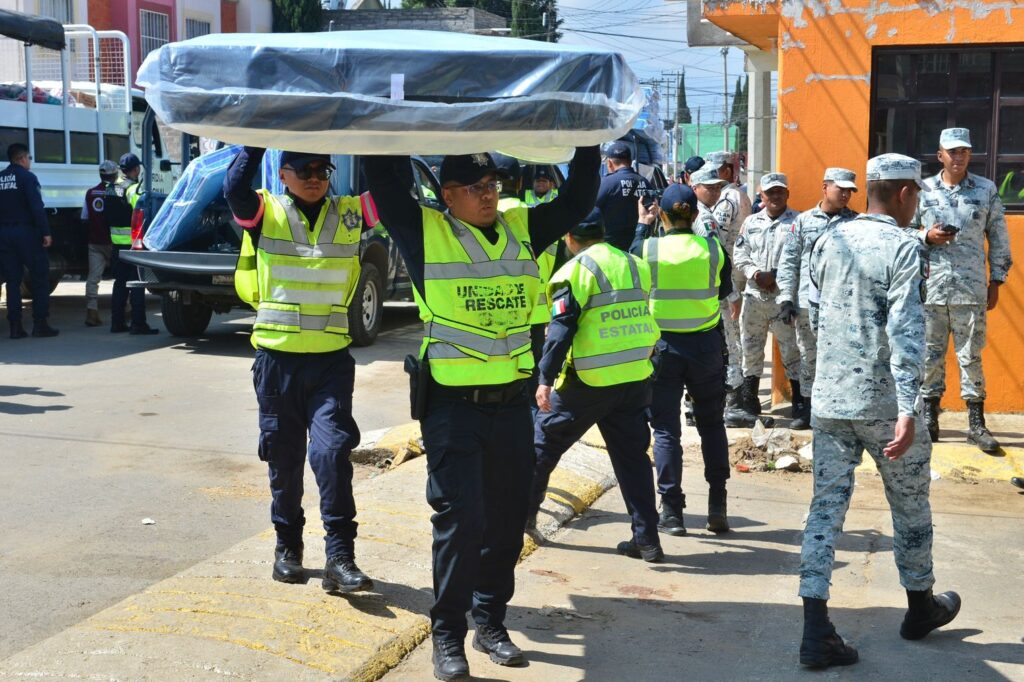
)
(915, 93)
(154, 30)
(196, 27)
(61, 10)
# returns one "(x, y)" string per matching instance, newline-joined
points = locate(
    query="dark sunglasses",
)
(320, 172)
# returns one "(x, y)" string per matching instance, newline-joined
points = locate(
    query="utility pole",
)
(725, 96)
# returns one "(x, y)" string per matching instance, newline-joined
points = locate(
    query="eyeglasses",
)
(321, 172)
(482, 188)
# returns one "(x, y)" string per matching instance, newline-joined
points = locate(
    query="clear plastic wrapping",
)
(393, 92)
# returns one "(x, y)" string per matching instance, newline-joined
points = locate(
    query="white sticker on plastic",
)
(398, 86)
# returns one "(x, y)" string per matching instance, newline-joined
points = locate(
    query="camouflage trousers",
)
(838, 448)
(733, 372)
(967, 325)
(757, 319)
(807, 344)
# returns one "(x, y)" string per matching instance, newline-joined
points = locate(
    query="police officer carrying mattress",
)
(597, 359)
(298, 268)
(689, 276)
(959, 211)
(24, 237)
(477, 286)
(870, 272)
(793, 280)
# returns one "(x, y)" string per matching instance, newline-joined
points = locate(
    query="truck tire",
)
(367, 308)
(187, 320)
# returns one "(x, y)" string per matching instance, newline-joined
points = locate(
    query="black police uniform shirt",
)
(21, 199)
(617, 199)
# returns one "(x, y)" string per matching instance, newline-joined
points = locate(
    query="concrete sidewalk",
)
(225, 617)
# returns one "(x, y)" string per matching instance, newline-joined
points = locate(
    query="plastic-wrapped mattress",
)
(392, 92)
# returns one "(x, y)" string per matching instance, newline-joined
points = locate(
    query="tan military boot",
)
(92, 318)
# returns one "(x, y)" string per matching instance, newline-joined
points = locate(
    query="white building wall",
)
(202, 10)
(254, 16)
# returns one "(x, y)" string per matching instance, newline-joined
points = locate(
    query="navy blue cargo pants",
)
(308, 395)
(121, 294)
(618, 412)
(21, 247)
(690, 363)
(479, 464)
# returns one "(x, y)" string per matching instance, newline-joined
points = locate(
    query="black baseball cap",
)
(693, 163)
(678, 194)
(299, 160)
(467, 169)
(619, 150)
(543, 173)
(591, 227)
(507, 167)
(129, 161)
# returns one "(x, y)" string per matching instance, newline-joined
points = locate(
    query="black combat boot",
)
(17, 330)
(718, 518)
(670, 521)
(803, 420)
(41, 329)
(635, 550)
(142, 330)
(342, 575)
(927, 612)
(979, 434)
(735, 417)
(494, 641)
(821, 645)
(931, 417)
(797, 403)
(450, 662)
(288, 566)
(749, 399)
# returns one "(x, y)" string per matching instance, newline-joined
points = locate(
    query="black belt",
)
(483, 395)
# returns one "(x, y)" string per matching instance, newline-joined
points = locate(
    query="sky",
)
(658, 44)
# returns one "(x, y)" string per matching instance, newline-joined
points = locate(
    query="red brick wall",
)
(99, 15)
(228, 16)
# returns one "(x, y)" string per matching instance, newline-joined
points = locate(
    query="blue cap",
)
(543, 172)
(591, 227)
(508, 167)
(129, 161)
(467, 169)
(299, 160)
(678, 194)
(619, 150)
(693, 163)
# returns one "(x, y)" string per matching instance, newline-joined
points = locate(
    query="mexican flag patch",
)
(559, 308)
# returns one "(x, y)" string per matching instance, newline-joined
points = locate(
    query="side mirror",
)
(165, 165)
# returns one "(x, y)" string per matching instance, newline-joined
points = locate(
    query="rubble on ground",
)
(771, 449)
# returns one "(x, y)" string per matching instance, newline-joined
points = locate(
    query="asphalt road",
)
(99, 431)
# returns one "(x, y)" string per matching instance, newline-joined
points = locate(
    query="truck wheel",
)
(183, 319)
(367, 308)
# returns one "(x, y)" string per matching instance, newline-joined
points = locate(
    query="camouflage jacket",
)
(759, 247)
(869, 277)
(705, 225)
(958, 273)
(792, 278)
(732, 209)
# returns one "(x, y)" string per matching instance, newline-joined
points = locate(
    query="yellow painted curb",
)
(962, 461)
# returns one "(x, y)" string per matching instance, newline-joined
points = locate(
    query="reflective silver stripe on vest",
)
(493, 268)
(297, 273)
(713, 253)
(511, 251)
(542, 299)
(285, 247)
(293, 318)
(687, 324)
(121, 231)
(472, 246)
(300, 235)
(481, 344)
(280, 294)
(610, 297)
(590, 264)
(652, 258)
(682, 294)
(609, 359)
(634, 273)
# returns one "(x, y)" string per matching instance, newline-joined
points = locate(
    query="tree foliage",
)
(296, 16)
(682, 110)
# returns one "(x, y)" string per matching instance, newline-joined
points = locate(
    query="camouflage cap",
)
(108, 167)
(769, 180)
(951, 138)
(719, 159)
(706, 175)
(844, 178)
(894, 167)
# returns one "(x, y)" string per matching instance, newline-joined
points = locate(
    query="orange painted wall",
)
(823, 120)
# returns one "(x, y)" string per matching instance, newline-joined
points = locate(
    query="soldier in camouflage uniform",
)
(708, 188)
(837, 187)
(958, 211)
(869, 276)
(758, 249)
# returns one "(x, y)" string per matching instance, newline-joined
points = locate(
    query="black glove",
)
(789, 313)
